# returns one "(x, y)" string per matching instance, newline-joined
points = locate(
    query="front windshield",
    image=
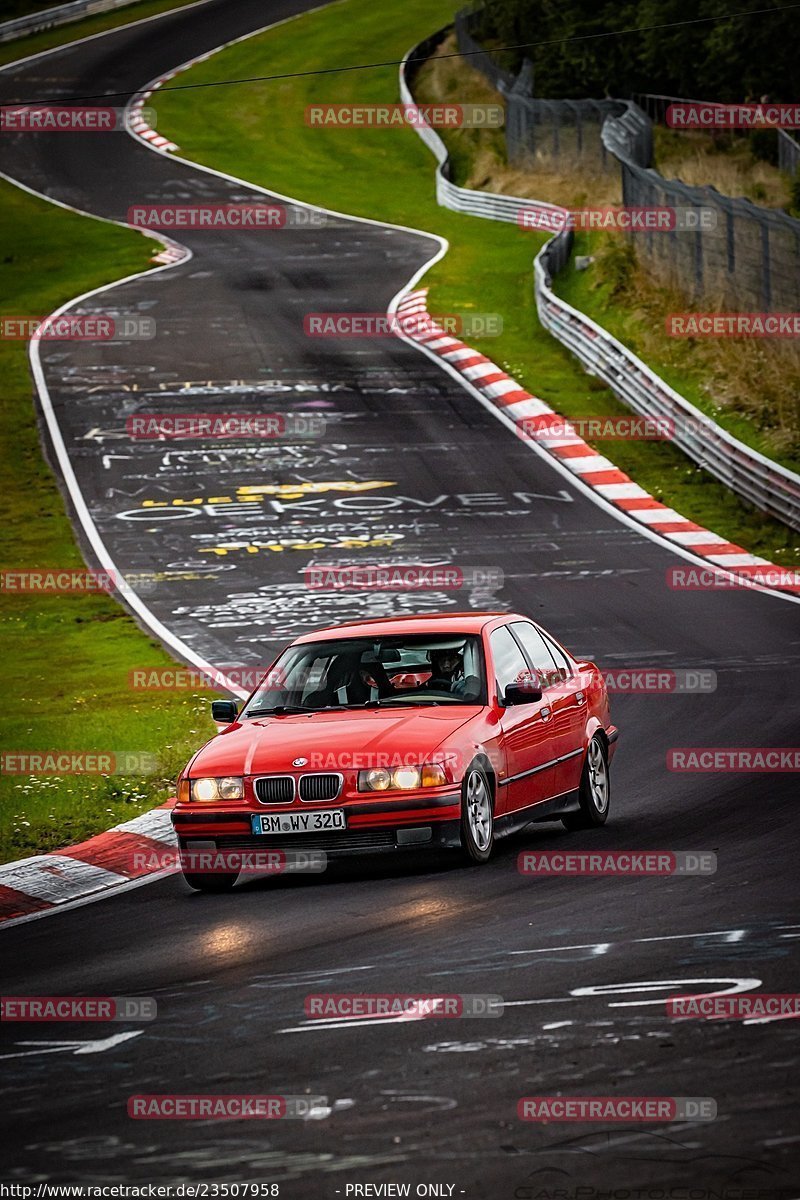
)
(386, 671)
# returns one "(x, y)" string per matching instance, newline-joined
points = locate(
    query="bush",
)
(764, 145)
(794, 203)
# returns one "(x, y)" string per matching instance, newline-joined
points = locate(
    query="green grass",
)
(257, 132)
(34, 43)
(66, 658)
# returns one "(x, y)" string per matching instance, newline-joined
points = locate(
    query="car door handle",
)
(545, 713)
(580, 698)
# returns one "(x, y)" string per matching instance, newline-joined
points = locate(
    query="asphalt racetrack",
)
(410, 462)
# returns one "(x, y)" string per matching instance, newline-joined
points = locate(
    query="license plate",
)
(299, 822)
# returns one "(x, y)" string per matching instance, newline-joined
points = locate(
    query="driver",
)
(447, 671)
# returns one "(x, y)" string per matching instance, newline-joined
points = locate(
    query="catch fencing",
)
(541, 131)
(741, 256)
(749, 258)
(656, 108)
(769, 486)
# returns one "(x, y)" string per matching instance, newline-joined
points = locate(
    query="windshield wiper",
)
(280, 710)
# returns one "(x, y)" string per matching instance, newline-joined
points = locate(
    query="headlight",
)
(229, 788)
(406, 777)
(374, 781)
(401, 778)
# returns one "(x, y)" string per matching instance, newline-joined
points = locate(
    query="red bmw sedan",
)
(445, 731)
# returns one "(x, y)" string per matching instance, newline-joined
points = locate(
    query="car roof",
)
(430, 623)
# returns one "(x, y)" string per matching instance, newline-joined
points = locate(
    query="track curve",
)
(429, 1104)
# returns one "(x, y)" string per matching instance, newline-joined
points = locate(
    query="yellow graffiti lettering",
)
(278, 547)
(293, 490)
(287, 491)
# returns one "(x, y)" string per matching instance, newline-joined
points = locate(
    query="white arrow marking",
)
(97, 1046)
(96, 434)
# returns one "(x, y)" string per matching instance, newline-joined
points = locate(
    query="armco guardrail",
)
(769, 486)
(49, 18)
(491, 205)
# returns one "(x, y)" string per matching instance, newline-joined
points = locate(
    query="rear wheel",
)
(595, 789)
(477, 815)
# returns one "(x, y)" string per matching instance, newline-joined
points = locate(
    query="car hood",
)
(330, 741)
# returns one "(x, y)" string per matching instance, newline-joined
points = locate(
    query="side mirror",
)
(526, 689)
(224, 711)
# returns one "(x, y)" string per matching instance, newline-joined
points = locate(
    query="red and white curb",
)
(528, 413)
(138, 125)
(171, 254)
(136, 119)
(137, 848)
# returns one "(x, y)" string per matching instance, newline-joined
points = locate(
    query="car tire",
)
(210, 883)
(594, 792)
(477, 815)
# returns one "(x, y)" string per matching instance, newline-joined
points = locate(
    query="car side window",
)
(509, 663)
(538, 652)
(566, 669)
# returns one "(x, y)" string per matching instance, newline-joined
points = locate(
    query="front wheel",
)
(210, 883)
(595, 789)
(477, 816)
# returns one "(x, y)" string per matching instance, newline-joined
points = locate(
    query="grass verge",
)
(66, 658)
(257, 131)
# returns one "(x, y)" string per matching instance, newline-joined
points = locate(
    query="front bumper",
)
(432, 822)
